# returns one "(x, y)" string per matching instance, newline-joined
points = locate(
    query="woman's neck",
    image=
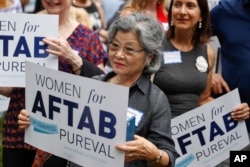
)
(151, 8)
(66, 25)
(127, 81)
(183, 41)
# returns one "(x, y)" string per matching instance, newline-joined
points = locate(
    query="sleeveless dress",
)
(182, 76)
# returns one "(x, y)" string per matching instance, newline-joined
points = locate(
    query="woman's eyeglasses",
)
(115, 47)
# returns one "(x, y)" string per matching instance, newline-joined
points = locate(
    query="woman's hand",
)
(62, 49)
(219, 85)
(23, 119)
(139, 148)
(241, 112)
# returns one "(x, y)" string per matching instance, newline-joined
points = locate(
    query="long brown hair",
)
(201, 35)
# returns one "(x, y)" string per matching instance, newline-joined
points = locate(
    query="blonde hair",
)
(141, 4)
(138, 5)
(79, 14)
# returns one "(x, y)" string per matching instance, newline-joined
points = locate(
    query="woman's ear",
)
(149, 59)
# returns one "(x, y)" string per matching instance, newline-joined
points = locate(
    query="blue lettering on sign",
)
(38, 104)
(5, 47)
(107, 120)
(22, 44)
(215, 130)
(22, 47)
(105, 124)
(71, 105)
(86, 120)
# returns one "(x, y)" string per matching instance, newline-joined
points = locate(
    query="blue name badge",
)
(130, 128)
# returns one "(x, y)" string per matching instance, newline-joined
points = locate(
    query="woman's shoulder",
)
(83, 36)
(211, 56)
(151, 88)
(82, 29)
(208, 49)
(81, 16)
(157, 91)
(209, 53)
(159, 98)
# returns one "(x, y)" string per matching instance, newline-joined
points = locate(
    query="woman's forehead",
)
(126, 37)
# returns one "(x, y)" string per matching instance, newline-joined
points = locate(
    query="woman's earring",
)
(74, 1)
(200, 25)
(171, 23)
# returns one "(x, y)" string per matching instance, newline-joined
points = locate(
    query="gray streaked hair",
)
(150, 33)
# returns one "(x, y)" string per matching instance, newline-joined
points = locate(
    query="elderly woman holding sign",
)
(135, 53)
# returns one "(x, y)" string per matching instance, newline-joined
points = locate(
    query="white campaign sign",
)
(21, 37)
(204, 136)
(76, 118)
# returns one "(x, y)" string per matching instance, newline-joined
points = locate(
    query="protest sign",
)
(204, 136)
(76, 118)
(21, 39)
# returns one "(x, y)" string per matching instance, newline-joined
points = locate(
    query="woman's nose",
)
(183, 11)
